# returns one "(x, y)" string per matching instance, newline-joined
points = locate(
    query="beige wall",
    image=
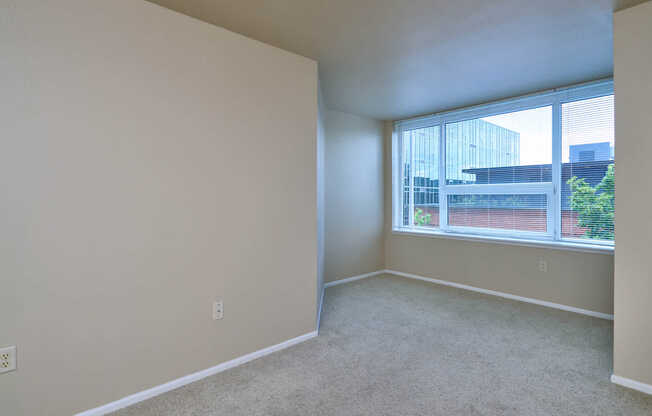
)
(150, 163)
(354, 195)
(633, 289)
(581, 280)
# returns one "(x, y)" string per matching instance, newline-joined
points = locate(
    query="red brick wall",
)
(509, 219)
(504, 218)
(569, 227)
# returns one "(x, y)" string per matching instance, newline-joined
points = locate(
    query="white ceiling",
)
(390, 59)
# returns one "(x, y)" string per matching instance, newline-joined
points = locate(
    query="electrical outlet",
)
(543, 266)
(7, 359)
(218, 310)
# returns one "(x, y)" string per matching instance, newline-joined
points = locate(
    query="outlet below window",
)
(218, 310)
(7, 359)
(543, 266)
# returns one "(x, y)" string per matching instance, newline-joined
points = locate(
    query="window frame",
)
(552, 98)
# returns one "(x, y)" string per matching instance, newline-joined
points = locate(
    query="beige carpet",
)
(394, 346)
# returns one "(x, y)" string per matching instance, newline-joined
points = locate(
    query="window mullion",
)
(555, 221)
(397, 178)
(443, 197)
(411, 193)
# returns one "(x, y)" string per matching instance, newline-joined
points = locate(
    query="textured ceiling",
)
(389, 59)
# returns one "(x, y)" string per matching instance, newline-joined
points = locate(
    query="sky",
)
(586, 121)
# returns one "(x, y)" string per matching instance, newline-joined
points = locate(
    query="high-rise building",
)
(479, 144)
(473, 144)
(590, 152)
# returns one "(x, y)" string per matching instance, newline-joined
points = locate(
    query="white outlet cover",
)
(543, 265)
(218, 310)
(7, 359)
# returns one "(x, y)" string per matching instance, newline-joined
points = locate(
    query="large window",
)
(587, 175)
(538, 167)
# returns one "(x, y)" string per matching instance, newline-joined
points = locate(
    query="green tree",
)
(594, 205)
(420, 219)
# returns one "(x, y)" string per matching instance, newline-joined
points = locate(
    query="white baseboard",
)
(476, 289)
(353, 279)
(632, 384)
(174, 384)
(503, 295)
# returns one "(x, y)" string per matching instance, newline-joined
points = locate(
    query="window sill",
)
(555, 245)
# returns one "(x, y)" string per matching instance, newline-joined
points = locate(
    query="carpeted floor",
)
(394, 346)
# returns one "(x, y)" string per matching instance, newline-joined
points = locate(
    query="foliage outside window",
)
(595, 205)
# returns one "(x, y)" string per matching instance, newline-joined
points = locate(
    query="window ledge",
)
(555, 245)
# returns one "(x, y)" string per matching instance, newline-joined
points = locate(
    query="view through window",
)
(587, 173)
(542, 168)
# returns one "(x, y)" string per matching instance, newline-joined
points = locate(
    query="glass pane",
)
(421, 149)
(507, 148)
(517, 212)
(587, 171)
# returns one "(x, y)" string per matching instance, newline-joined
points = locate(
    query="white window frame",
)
(552, 98)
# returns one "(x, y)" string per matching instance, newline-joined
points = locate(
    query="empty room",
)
(303, 207)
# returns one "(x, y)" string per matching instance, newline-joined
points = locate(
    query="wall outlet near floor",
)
(543, 266)
(218, 310)
(7, 359)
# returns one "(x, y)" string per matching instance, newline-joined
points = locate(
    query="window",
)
(421, 146)
(538, 167)
(507, 148)
(587, 176)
